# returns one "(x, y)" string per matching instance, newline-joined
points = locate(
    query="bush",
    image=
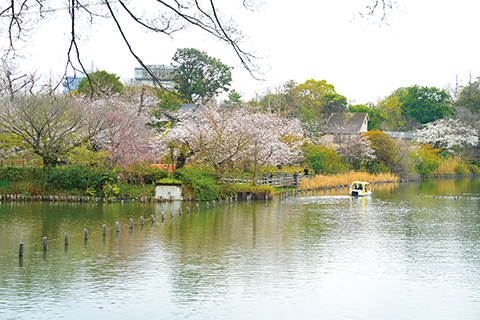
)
(154, 174)
(324, 160)
(69, 179)
(200, 181)
(461, 169)
(379, 167)
(474, 169)
(20, 174)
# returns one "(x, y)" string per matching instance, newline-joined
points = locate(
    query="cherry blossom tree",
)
(448, 135)
(214, 137)
(273, 140)
(224, 137)
(350, 144)
(125, 133)
(355, 149)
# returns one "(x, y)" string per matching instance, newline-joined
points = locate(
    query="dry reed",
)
(344, 179)
(447, 165)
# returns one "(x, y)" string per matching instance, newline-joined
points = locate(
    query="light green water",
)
(407, 252)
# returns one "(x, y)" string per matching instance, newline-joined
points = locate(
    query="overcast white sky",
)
(428, 43)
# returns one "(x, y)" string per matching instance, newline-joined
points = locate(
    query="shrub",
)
(379, 167)
(324, 160)
(461, 169)
(427, 160)
(474, 169)
(200, 181)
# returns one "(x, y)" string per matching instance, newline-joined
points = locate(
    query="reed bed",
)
(447, 166)
(344, 179)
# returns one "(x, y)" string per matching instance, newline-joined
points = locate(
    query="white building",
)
(163, 74)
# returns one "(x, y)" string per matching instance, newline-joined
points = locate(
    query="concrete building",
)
(162, 72)
(71, 83)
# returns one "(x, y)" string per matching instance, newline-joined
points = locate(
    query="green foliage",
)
(199, 77)
(73, 179)
(236, 188)
(200, 181)
(324, 160)
(473, 169)
(424, 104)
(379, 167)
(168, 181)
(461, 169)
(235, 98)
(385, 155)
(100, 82)
(141, 174)
(390, 114)
(470, 97)
(427, 160)
(319, 99)
(373, 114)
(169, 101)
(10, 174)
(154, 174)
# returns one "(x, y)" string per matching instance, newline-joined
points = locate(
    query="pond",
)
(410, 251)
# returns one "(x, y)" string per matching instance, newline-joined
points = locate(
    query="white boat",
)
(360, 189)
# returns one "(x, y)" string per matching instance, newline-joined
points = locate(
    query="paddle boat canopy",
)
(360, 189)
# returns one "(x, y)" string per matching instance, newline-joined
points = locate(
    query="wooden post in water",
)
(85, 232)
(104, 230)
(142, 221)
(44, 243)
(131, 223)
(118, 226)
(20, 251)
(66, 239)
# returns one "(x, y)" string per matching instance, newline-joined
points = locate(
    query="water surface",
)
(408, 252)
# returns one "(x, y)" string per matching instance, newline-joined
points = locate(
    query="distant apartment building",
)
(71, 83)
(162, 72)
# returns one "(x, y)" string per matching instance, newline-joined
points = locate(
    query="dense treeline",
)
(100, 141)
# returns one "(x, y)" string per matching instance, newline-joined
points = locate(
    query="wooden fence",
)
(276, 181)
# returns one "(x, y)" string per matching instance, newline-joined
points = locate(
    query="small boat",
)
(360, 189)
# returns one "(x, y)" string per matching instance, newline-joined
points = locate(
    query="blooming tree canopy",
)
(224, 137)
(447, 135)
(125, 134)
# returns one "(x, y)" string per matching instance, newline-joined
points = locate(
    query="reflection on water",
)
(407, 252)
